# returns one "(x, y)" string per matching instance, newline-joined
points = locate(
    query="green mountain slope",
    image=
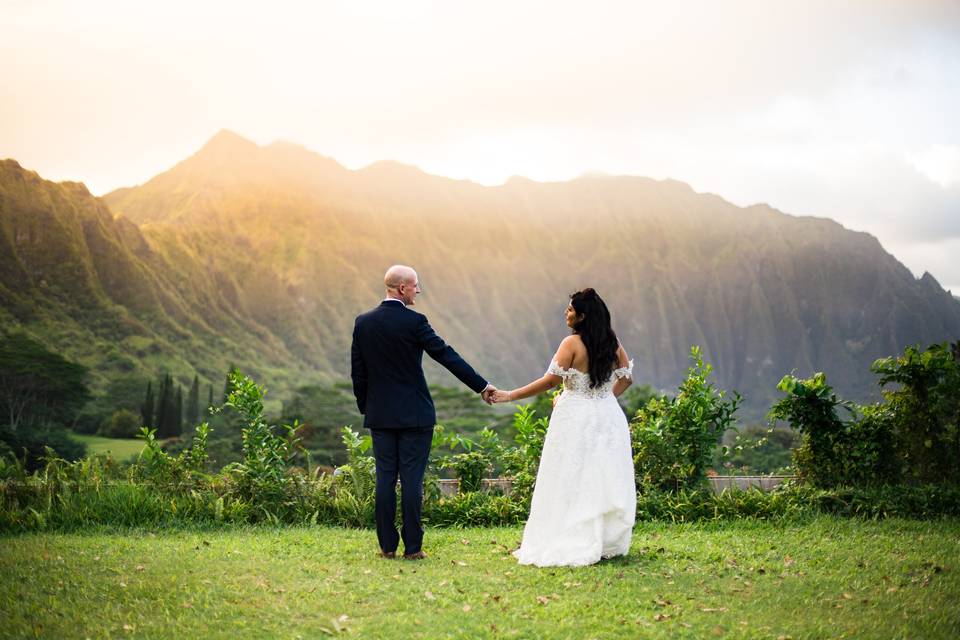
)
(262, 256)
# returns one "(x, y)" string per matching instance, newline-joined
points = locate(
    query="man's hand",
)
(487, 393)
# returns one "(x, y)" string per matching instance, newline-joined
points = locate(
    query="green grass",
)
(824, 578)
(119, 448)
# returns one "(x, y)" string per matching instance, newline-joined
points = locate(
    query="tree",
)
(146, 409)
(40, 393)
(167, 412)
(38, 387)
(192, 414)
(178, 413)
(122, 424)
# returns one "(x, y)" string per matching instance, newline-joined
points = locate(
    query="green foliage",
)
(123, 392)
(32, 445)
(323, 411)
(758, 450)
(918, 502)
(522, 461)
(924, 410)
(477, 460)
(355, 483)
(636, 398)
(674, 438)
(697, 504)
(38, 388)
(266, 454)
(671, 438)
(122, 424)
(192, 408)
(147, 407)
(474, 509)
(183, 471)
(169, 410)
(833, 452)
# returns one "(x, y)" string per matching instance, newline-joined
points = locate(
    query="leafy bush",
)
(674, 438)
(261, 475)
(122, 424)
(925, 410)
(476, 461)
(522, 461)
(833, 452)
(355, 483)
(699, 504)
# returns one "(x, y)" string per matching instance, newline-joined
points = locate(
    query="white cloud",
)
(939, 162)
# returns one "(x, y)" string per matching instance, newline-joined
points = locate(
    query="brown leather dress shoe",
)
(419, 555)
(388, 554)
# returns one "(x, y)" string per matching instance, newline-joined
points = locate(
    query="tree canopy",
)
(38, 387)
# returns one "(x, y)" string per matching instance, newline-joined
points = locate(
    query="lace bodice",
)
(577, 383)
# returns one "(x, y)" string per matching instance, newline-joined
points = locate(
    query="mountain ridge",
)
(267, 253)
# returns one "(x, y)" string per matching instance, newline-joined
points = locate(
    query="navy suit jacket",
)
(386, 365)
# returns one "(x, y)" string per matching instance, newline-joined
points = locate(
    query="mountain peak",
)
(226, 141)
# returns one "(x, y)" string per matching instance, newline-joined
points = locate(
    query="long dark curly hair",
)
(597, 334)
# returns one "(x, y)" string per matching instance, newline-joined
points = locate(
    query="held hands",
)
(487, 393)
(492, 395)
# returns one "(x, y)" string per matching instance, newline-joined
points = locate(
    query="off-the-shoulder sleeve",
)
(555, 369)
(625, 372)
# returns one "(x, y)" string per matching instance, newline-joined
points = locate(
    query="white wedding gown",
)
(584, 501)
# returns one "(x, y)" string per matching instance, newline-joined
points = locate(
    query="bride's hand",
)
(501, 396)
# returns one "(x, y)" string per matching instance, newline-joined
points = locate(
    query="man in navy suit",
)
(387, 370)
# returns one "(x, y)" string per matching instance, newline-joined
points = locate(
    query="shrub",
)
(674, 438)
(261, 475)
(925, 410)
(479, 458)
(522, 461)
(122, 424)
(858, 451)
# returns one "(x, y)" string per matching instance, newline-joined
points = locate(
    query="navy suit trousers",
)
(403, 453)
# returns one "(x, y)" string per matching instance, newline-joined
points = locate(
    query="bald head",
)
(399, 274)
(401, 283)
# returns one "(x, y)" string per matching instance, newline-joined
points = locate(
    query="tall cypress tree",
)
(192, 414)
(147, 408)
(209, 398)
(163, 408)
(177, 426)
(226, 385)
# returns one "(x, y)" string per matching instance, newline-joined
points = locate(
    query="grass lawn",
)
(822, 578)
(120, 448)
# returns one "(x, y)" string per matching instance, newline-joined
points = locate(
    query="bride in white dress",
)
(584, 500)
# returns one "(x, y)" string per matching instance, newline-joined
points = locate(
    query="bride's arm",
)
(538, 386)
(564, 358)
(622, 384)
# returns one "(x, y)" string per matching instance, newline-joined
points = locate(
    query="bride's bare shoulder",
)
(572, 344)
(573, 340)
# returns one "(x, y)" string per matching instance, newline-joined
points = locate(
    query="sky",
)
(845, 110)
